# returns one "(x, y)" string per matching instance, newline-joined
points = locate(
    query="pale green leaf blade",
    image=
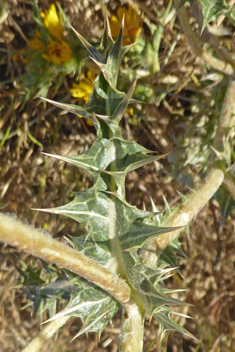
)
(226, 203)
(212, 9)
(168, 324)
(92, 305)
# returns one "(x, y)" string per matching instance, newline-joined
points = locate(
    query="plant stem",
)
(45, 247)
(229, 183)
(225, 131)
(185, 213)
(223, 141)
(215, 177)
(132, 329)
(48, 331)
(193, 41)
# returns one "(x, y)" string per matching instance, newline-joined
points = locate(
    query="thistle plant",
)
(127, 254)
(117, 230)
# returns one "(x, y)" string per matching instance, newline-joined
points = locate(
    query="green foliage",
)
(44, 286)
(212, 9)
(117, 230)
(89, 303)
(226, 203)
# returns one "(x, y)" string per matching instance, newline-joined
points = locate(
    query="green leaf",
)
(92, 305)
(129, 156)
(116, 229)
(148, 283)
(166, 323)
(74, 109)
(139, 233)
(226, 203)
(94, 53)
(121, 108)
(212, 9)
(231, 14)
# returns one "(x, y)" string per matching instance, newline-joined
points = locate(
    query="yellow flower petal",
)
(53, 22)
(84, 88)
(88, 122)
(58, 53)
(36, 44)
(132, 24)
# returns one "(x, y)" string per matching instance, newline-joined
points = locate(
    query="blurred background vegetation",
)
(182, 99)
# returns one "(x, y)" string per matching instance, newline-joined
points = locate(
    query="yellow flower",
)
(130, 111)
(36, 43)
(132, 24)
(58, 53)
(83, 89)
(58, 50)
(53, 22)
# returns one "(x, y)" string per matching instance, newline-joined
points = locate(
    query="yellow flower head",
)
(84, 88)
(58, 53)
(53, 22)
(132, 24)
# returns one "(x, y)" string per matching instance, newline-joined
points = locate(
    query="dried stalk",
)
(185, 213)
(225, 132)
(215, 177)
(217, 64)
(216, 172)
(229, 183)
(48, 331)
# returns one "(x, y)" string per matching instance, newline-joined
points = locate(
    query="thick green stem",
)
(48, 331)
(45, 247)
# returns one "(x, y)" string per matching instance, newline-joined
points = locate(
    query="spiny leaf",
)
(129, 157)
(226, 203)
(110, 68)
(92, 305)
(121, 108)
(74, 109)
(139, 233)
(94, 54)
(148, 285)
(166, 323)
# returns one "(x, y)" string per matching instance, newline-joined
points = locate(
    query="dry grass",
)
(31, 180)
